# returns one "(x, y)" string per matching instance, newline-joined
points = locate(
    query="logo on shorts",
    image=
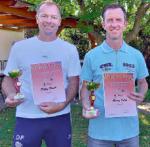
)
(19, 137)
(69, 136)
(18, 144)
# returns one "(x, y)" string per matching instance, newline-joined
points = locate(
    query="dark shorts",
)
(131, 142)
(55, 131)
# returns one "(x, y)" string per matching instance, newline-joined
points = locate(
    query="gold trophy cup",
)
(92, 112)
(15, 74)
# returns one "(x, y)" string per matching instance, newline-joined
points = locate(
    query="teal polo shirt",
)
(104, 59)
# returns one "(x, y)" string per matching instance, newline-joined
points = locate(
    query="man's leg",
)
(27, 133)
(131, 142)
(99, 143)
(58, 132)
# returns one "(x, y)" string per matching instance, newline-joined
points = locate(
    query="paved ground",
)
(144, 107)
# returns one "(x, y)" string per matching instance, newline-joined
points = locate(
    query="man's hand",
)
(137, 97)
(142, 89)
(11, 102)
(84, 93)
(52, 107)
(72, 89)
(89, 114)
(86, 110)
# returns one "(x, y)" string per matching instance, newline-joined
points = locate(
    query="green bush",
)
(147, 97)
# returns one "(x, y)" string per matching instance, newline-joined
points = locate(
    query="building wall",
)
(7, 38)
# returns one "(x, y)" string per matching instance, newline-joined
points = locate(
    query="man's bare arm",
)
(140, 94)
(84, 94)
(8, 86)
(10, 91)
(142, 87)
(73, 89)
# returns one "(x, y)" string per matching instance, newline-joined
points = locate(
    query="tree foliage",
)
(87, 13)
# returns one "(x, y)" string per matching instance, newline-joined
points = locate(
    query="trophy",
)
(15, 74)
(92, 112)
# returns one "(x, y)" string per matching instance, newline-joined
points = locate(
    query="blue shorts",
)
(131, 142)
(55, 131)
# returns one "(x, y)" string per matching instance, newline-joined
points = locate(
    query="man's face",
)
(48, 19)
(114, 23)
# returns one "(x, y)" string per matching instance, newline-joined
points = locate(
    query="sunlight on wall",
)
(7, 39)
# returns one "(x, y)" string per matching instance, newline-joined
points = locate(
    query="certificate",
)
(117, 87)
(47, 82)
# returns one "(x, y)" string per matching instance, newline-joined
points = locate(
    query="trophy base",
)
(19, 96)
(90, 113)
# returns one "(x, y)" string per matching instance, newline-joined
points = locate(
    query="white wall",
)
(6, 40)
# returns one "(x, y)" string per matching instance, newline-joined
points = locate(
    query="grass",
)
(79, 127)
(7, 121)
(144, 130)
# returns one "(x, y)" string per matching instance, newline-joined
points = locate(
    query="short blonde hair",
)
(47, 2)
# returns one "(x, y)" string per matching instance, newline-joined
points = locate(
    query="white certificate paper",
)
(116, 88)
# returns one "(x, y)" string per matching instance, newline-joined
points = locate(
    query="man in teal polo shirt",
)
(113, 55)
